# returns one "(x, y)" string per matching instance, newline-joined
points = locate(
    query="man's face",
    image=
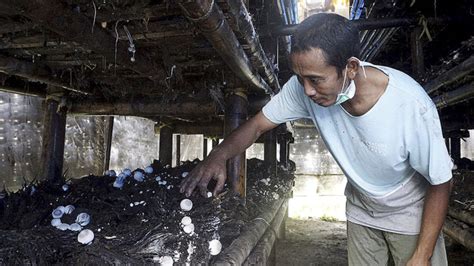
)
(320, 81)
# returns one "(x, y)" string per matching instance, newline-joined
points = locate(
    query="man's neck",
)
(368, 91)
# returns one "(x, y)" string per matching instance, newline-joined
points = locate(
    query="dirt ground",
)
(316, 242)
(312, 242)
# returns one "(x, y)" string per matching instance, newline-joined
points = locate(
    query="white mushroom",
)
(85, 236)
(215, 247)
(184, 174)
(166, 261)
(188, 229)
(65, 187)
(75, 227)
(186, 205)
(69, 209)
(63, 226)
(58, 212)
(149, 169)
(186, 220)
(127, 172)
(83, 219)
(138, 176)
(209, 194)
(55, 222)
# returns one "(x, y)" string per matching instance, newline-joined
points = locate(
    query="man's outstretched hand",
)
(210, 168)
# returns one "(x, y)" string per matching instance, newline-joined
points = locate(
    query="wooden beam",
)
(417, 57)
(61, 19)
(166, 145)
(192, 109)
(463, 236)
(235, 115)
(33, 72)
(269, 151)
(178, 150)
(29, 91)
(204, 148)
(451, 75)
(109, 129)
(54, 133)
(461, 94)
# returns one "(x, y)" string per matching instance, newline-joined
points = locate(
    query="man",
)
(382, 129)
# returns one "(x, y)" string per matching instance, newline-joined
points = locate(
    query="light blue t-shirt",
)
(380, 151)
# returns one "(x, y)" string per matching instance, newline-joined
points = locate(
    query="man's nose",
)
(309, 90)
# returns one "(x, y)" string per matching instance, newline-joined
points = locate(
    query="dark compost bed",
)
(139, 223)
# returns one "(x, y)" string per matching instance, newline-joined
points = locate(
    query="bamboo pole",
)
(260, 255)
(462, 215)
(235, 115)
(240, 248)
(462, 236)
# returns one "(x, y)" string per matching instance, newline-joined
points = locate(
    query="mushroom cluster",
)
(82, 219)
(139, 175)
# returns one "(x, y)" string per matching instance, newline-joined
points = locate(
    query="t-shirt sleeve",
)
(427, 150)
(288, 104)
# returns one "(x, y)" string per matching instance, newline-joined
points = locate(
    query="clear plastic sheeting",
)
(311, 155)
(84, 150)
(21, 130)
(191, 148)
(134, 143)
(20, 138)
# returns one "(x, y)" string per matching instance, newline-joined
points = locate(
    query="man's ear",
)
(352, 67)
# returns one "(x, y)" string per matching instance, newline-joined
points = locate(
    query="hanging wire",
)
(95, 16)
(131, 45)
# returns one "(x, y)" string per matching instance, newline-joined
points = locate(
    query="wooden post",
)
(417, 58)
(204, 148)
(109, 129)
(236, 114)
(166, 145)
(284, 142)
(455, 149)
(54, 133)
(178, 150)
(269, 151)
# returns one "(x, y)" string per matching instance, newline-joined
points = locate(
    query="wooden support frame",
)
(166, 145)
(417, 56)
(54, 134)
(204, 148)
(236, 113)
(53, 15)
(178, 149)
(109, 130)
(284, 141)
(455, 148)
(270, 151)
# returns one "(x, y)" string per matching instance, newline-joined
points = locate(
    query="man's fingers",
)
(203, 185)
(191, 184)
(185, 182)
(220, 184)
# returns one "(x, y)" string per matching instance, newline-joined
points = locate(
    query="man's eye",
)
(314, 81)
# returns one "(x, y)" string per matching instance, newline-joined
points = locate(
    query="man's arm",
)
(434, 213)
(214, 166)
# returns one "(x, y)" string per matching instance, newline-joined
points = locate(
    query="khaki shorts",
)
(369, 246)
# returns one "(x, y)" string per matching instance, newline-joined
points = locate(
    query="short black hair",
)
(335, 35)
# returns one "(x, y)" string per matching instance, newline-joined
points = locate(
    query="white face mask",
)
(351, 89)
